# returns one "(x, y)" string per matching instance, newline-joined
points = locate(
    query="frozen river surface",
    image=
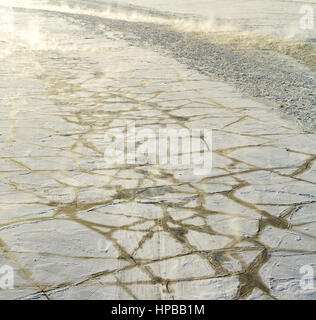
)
(71, 227)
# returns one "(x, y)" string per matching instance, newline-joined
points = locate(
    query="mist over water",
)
(280, 18)
(273, 24)
(277, 17)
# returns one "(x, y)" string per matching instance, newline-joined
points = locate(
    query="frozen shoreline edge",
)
(265, 75)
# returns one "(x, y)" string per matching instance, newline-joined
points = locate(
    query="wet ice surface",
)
(74, 229)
